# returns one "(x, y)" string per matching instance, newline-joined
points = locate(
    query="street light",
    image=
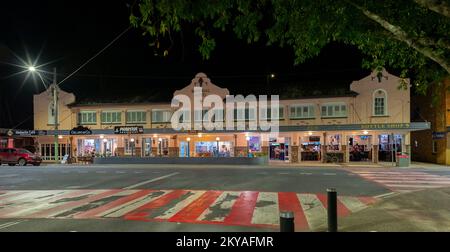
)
(53, 88)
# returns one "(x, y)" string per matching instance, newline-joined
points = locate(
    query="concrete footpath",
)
(421, 211)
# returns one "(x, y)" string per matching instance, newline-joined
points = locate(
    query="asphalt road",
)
(274, 179)
(197, 185)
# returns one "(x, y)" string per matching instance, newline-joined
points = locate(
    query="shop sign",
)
(26, 132)
(386, 126)
(128, 130)
(80, 130)
(438, 135)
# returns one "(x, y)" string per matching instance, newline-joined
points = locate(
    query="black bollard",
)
(332, 210)
(287, 222)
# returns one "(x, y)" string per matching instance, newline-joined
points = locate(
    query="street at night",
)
(187, 198)
(255, 124)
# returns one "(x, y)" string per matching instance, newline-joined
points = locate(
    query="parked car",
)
(22, 157)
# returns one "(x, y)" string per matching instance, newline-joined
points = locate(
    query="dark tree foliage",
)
(409, 35)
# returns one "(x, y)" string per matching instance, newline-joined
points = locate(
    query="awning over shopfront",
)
(413, 126)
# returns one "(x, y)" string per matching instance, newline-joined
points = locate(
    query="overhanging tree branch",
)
(401, 35)
(438, 6)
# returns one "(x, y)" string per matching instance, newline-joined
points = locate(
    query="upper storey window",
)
(338, 109)
(379, 103)
(87, 117)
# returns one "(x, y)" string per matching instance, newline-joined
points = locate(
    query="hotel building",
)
(370, 124)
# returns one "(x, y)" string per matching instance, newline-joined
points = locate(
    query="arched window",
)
(379, 102)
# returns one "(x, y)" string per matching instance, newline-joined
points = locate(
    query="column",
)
(323, 148)
(294, 154)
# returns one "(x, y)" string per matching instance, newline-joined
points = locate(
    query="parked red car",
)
(22, 157)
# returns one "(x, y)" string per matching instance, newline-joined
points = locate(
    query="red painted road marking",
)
(2, 197)
(242, 210)
(342, 210)
(93, 212)
(288, 201)
(73, 204)
(143, 212)
(191, 212)
(12, 212)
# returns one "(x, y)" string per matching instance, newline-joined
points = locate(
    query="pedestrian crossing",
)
(405, 181)
(240, 208)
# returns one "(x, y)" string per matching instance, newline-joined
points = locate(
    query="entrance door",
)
(278, 151)
(146, 147)
(360, 147)
(184, 149)
(389, 146)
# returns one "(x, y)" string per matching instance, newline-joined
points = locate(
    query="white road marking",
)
(313, 209)
(224, 206)
(130, 206)
(180, 205)
(283, 173)
(120, 172)
(9, 175)
(100, 172)
(268, 212)
(329, 174)
(305, 173)
(151, 180)
(9, 224)
(385, 195)
(352, 203)
(414, 186)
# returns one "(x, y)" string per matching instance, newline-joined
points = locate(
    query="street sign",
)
(438, 135)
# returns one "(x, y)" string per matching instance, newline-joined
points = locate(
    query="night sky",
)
(70, 32)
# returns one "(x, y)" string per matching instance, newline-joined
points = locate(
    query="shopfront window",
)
(213, 149)
(254, 143)
(360, 147)
(88, 147)
(163, 147)
(310, 148)
(389, 145)
(333, 142)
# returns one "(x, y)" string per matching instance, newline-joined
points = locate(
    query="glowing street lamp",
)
(32, 69)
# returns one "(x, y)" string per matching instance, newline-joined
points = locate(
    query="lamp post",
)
(54, 92)
(188, 146)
